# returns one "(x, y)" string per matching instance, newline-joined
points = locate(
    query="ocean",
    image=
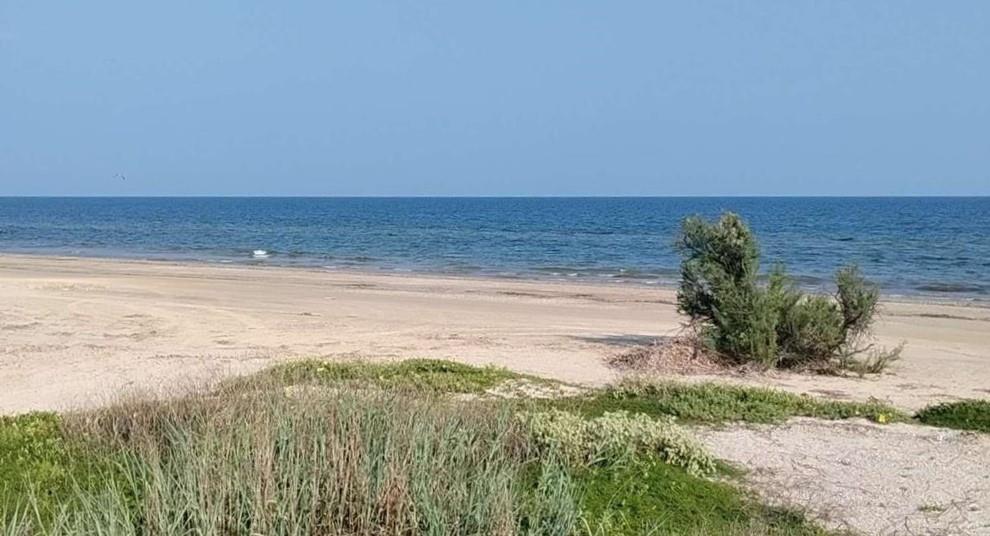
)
(911, 246)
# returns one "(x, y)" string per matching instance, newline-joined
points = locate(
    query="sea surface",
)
(911, 246)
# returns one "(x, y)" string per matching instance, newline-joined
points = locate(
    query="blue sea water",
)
(935, 246)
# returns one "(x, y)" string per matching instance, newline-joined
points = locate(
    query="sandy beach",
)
(76, 331)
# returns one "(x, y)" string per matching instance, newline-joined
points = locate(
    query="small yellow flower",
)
(882, 418)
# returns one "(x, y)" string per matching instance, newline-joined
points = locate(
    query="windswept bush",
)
(773, 324)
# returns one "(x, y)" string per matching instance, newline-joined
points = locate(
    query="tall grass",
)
(362, 449)
(270, 461)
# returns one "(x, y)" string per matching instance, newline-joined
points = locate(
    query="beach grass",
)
(271, 461)
(260, 456)
(961, 415)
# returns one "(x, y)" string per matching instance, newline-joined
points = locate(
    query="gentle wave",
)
(937, 246)
(952, 288)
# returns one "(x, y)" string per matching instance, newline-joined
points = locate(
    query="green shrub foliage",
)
(617, 437)
(772, 323)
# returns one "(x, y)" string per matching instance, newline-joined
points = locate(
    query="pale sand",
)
(75, 331)
(873, 479)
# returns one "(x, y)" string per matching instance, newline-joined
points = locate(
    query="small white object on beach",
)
(260, 254)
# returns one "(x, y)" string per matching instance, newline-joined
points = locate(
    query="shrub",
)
(615, 437)
(773, 324)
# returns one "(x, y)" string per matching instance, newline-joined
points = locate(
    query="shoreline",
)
(76, 330)
(956, 299)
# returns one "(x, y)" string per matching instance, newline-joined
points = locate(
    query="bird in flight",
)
(121, 177)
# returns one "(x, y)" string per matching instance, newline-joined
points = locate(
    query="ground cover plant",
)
(262, 456)
(962, 415)
(432, 375)
(773, 323)
(31, 449)
(719, 403)
(616, 437)
(39, 462)
(660, 499)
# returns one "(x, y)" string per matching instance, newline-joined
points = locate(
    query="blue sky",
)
(563, 97)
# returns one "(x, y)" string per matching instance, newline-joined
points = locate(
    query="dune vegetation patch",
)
(368, 456)
(430, 375)
(617, 437)
(657, 498)
(48, 467)
(718, 403)
(265, 462)
(962, 415)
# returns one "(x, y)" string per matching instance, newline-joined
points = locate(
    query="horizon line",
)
(511, 196)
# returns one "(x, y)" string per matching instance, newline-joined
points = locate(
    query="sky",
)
(569, 97)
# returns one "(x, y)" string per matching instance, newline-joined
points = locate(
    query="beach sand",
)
(75, 332)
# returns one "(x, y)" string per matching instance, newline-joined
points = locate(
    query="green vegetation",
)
(616, 438)
(717, 403)
(660, 499)
(963, 415)
(431, 375)
(774, 324)
(37, 461)
(330, 462)
(267, 455)
(31, 448)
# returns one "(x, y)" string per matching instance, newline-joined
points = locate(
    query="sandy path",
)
(873, 479)
(75, 330)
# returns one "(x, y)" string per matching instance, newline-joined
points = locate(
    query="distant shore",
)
(78, 329)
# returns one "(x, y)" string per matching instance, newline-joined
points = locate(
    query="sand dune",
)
(75, 331)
